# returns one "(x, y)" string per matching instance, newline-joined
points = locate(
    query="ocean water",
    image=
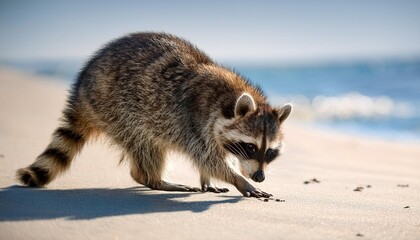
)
(377, 99)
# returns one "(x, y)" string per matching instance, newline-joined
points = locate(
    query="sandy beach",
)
(333, 186)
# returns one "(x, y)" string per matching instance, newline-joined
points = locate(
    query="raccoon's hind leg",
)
(66, 142)
(147, 166)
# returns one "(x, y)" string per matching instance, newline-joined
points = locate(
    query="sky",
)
(227, 30)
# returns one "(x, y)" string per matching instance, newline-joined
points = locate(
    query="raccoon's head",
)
(253, 135)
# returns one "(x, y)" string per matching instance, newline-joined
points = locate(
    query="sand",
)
(97, 199)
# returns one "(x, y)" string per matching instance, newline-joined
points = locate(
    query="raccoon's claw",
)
(251, 191)
(259, 194)
(222, 190)
(214, 189)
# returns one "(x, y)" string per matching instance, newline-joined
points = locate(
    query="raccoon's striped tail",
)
(56, 158)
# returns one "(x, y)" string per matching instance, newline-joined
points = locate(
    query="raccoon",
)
(154, 92)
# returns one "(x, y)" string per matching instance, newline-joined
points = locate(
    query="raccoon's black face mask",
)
(254, 135)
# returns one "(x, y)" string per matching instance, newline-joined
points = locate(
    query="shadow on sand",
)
(21, 203)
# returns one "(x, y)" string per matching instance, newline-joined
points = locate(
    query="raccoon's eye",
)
(271, 154)
(250, 148)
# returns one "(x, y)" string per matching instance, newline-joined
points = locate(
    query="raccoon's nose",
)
(258, 176)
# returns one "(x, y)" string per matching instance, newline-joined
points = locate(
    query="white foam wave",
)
(352, 105)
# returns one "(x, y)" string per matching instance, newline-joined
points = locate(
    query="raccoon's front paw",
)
(214, 189)
(207, 186)
(251, 191)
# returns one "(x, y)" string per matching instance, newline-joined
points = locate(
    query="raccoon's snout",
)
(258, 176)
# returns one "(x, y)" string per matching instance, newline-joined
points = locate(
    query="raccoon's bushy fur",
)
(150, 93)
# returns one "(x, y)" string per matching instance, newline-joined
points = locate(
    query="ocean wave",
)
(352, 105)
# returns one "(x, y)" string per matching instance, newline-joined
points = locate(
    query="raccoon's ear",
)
(244, 105)
(284, 112)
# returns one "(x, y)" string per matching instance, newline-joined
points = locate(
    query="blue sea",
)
(376, 99)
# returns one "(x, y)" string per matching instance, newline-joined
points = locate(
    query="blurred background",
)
(347, 66)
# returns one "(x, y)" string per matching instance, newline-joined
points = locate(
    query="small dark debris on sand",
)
(407, 207)
(272, 199)
(1, 156)
(359, 235)
(359, 189)
(402, 185)
(313, 180)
